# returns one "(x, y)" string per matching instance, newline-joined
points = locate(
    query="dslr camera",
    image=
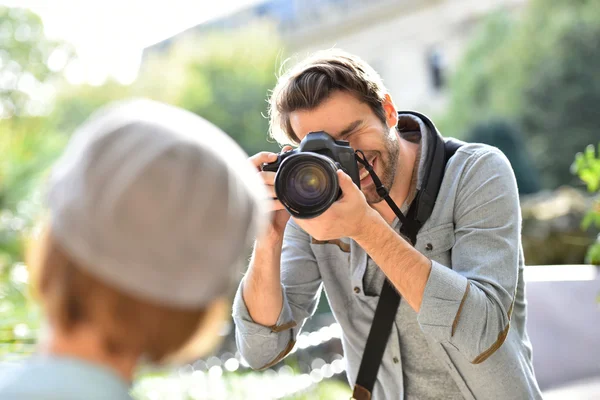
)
(306, 182)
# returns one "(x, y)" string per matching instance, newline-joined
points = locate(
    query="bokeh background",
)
(520, 75)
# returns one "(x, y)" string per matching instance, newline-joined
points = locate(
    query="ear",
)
(391, 113)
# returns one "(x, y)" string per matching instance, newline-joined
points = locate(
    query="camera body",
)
(306, 182)
(321, 143)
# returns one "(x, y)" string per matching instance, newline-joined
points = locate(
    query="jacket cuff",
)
(442, 302)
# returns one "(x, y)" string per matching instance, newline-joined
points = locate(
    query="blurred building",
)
(413, 44)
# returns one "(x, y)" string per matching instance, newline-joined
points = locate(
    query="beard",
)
(387, 165)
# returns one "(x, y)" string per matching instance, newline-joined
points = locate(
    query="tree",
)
(474, 90)
(560, 113)
(27, 149)
(76, 103)
(226, 79)
(29, 61)
(539, 71)
(587, 167)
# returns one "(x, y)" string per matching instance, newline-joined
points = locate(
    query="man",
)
(460, 328)
(151, 211)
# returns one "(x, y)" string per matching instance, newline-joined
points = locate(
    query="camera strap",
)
(381, 190)
(389, 300)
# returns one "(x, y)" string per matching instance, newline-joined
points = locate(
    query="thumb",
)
(345, 181)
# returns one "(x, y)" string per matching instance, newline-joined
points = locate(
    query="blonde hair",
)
(71, 296)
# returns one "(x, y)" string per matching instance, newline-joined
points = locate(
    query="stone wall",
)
(552, 231)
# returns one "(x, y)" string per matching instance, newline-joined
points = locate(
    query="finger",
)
(268, 177)
(345, 182)
(263, 157)
(286, 148)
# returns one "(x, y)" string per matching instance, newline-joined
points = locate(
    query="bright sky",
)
(109, 35)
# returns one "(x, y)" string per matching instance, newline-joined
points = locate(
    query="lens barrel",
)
(307, 184)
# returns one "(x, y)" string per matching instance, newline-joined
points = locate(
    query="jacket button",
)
(356, 289)
(396, 360)
(428, 247)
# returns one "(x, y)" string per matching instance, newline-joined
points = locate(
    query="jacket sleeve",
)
(470, 305)
(263, 346)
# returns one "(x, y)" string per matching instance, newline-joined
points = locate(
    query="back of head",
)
(152, 211)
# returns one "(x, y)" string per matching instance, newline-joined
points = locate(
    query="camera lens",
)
(307, 184)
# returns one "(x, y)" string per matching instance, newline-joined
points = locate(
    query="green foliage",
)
(76, 103)
(28, 145)
(24, 62)
(227, 82)
(245, 385)
(326, 390)
(539, 71)
(561, 100)
(587, 167)
(224, 78)
(28, 149)
(475, 93)
(508, 139)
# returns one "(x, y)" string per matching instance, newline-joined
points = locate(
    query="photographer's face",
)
(344, 117)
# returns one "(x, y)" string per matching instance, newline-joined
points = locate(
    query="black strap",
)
(379, 334)
(389, 300)
(381, 190)
(450, 147)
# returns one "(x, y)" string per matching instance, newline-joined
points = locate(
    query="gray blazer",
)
(473, 311)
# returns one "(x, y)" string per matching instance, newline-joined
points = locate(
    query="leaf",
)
(593, 254)
(587, 221)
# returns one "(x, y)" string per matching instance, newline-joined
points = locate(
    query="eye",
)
(352, 134)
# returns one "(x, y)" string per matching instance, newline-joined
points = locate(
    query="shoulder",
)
(471, 152)
(16, 379)
(478, 159)
(63, 377)
(482, 171)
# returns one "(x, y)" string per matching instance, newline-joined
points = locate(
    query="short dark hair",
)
(310, 82)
